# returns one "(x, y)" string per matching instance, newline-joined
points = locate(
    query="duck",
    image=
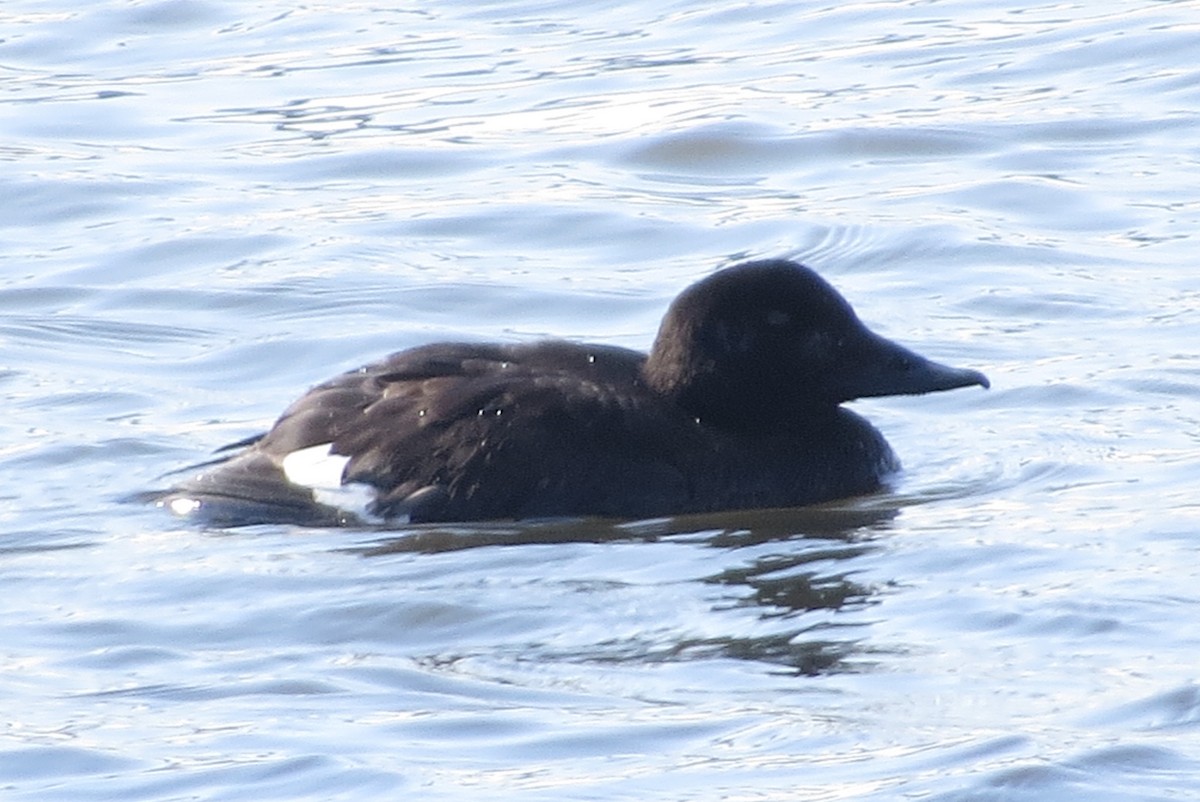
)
(739, 404)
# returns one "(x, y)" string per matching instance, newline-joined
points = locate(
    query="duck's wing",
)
(461, 432)
(545, 430)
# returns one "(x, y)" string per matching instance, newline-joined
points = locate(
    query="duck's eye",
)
(778, 317)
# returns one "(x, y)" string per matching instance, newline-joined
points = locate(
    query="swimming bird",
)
(738, 405)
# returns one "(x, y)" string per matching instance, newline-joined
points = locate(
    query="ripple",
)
(210, 206)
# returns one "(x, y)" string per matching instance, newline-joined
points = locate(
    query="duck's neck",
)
(716, 400)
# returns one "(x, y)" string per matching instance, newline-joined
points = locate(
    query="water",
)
(208, 207)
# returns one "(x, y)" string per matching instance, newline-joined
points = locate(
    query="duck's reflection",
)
(795, 589)
(797, 585)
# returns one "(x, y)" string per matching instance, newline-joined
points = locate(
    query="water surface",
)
(209, 207)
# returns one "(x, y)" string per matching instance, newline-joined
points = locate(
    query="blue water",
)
(208, 207)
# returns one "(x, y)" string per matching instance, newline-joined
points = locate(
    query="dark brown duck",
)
(737, 405)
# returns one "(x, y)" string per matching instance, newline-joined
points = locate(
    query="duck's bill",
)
(880, 367)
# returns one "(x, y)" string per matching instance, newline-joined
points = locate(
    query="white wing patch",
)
(315, 467)
(320, 470)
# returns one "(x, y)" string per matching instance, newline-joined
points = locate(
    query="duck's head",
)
(757, 344)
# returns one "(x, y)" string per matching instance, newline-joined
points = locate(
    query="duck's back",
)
(460, 431)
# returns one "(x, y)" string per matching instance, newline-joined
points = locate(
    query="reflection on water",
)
(786, 584)
(781, 591)
(836, 521)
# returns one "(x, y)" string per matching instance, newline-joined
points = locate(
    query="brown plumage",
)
(737, 406)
